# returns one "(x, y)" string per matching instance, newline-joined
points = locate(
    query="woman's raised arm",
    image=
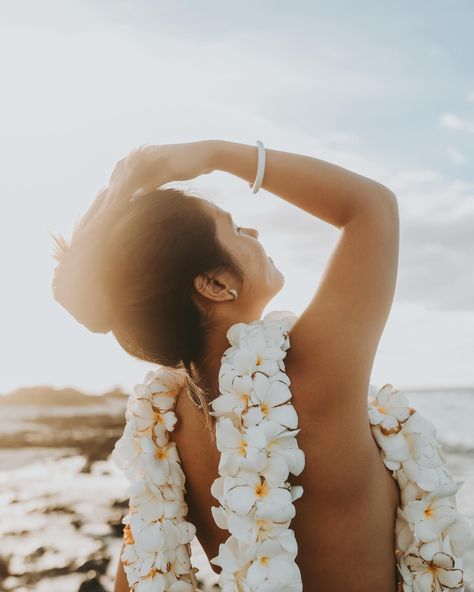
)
(325, 190)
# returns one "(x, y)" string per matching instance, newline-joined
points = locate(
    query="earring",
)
(234, 292)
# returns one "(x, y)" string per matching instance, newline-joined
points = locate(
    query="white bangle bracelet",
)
(260, 168)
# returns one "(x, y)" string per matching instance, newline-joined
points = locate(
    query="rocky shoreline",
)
(63, 504)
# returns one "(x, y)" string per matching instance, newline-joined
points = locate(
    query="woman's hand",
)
(149, 166)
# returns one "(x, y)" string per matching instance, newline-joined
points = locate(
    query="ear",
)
(214, 287)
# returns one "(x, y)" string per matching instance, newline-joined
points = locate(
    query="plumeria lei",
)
(431, 535)
(156, 536)
(256, 428)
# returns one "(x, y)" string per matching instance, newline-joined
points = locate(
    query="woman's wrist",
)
(234, 158)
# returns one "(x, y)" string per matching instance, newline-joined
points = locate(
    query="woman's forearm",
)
(328, 191)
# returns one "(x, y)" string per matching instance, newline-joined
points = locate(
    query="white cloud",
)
(454, 122)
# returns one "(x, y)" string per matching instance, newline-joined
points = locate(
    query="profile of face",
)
(262, 278)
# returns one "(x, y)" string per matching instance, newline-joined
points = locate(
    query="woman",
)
(169, 273)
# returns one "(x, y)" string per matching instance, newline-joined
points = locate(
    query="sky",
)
(384, 89)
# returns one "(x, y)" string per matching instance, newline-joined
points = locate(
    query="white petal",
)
(450, 578)
(284, 415)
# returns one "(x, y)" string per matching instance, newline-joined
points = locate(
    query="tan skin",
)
(344, 521)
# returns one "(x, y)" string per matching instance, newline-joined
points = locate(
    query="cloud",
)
(454, 122)
(436, 239)
(436, 243)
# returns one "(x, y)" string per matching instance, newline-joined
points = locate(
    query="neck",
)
(205, 370)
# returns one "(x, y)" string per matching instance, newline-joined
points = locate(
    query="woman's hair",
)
(130, 271)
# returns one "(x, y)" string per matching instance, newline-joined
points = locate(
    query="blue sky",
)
(385, 89)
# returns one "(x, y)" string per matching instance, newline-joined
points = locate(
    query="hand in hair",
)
(150, 166)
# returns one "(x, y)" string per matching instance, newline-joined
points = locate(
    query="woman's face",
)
(262, 278)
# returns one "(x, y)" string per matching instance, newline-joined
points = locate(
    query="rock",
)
(4, 566)
(58, 508)
(92, 584)
(77, 523)
(97, 562)
(38, 552)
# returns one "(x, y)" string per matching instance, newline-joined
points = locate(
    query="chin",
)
(279, 285)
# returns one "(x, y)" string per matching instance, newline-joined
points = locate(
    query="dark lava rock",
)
(92, 584)
(77, 523)
(97, 562)
(38, 552)
(58, 508)
(121, 503)
(116, 525)
(4, 566)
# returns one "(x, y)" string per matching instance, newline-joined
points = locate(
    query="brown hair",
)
(131, 270)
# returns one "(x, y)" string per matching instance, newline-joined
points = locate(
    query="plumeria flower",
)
(273, 568)
(284, 455)
(153, 503)
(231, 558)
(160, 534)
(169, 381)
(153, 581)
(146, 413)
(272, 398)
(248, 529)
(389, 410)
(249, 490)
(430, 516)
(254, 353)
(161, 463)
(409, 490)
(240, 449)
(236, 400)
(425, 465)
(394, 448)
(126, 449)
(436, 575)
(404, 533)
(460, 534)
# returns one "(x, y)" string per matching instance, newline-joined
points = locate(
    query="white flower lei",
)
(256, 430)
(431, 535)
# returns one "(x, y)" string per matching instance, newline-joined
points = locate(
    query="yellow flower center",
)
(158, 417)
(243, 448)
(161, 453)
(382, 409)
(245, 399)
(264, 409)
(262, 489)
(264, 560)
(428, 512)
(259, 360)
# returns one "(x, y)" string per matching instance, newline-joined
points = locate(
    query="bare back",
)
(345, 520)
(346, 515)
